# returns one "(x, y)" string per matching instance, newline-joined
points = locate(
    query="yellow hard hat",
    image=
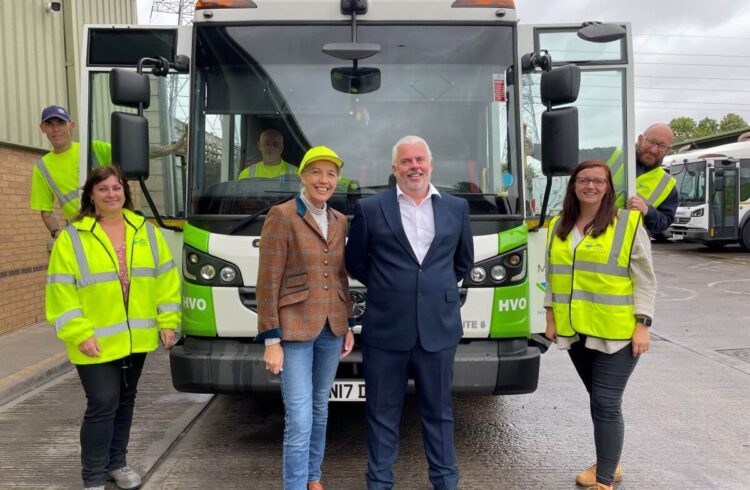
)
(320, 153)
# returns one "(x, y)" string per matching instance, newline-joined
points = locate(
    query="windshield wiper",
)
(252, 217)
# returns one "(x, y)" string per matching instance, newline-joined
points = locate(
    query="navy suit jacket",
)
(407, 301)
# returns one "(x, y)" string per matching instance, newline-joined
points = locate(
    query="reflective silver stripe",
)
(147, 323)
(560, 269)
(599, 268)
(603, 299)
(165, 307)
(69, 315)
(154, 245)
(142, 272)
(167, 266)
(619, 238)
(617, 165)
(552, 236)
(659, 189)
(61, 279)
(63, 198)
(560, 298)
(97, 278)
(81, 260)
(111, 330)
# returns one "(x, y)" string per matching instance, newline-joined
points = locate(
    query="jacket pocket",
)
(296, 280)
(294, 298)
(451, 296)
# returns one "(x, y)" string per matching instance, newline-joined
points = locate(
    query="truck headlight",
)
(478, 274)
(227, 274)
(208, 272)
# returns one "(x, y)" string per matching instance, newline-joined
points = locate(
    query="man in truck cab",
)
(272, 166)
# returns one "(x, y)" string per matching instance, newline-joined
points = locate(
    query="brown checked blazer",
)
(302, 279)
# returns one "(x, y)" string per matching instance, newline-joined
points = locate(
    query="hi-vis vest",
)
(268, 171)
(62, 177)
(592, 292)
(653, 186)
(84, 295)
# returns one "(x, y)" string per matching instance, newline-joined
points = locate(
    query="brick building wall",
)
(24, 239)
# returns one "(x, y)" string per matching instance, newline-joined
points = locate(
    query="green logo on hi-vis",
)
(140, 241)
(594, 245)
(542, 286)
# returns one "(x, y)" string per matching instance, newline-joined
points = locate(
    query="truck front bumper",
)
(481, 367)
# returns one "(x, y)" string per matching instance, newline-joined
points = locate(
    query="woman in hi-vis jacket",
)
(112, 292)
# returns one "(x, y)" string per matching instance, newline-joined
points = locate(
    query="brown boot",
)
(314, 485)
(587, 478)
(600, 486)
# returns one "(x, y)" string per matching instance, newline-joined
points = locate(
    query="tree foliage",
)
(685, 128)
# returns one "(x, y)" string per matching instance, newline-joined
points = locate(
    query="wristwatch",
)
(643, 320)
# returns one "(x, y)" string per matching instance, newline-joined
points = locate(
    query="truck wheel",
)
(745, 236)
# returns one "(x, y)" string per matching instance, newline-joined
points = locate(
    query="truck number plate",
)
(348, 391)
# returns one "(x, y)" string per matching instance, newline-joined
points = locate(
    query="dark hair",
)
(605, 216)
(98, 175)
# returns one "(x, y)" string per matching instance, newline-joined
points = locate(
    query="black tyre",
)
(745, 236)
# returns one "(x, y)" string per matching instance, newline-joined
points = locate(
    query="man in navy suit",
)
(410, 246)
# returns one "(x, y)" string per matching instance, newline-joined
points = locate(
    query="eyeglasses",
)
(660, 146)
(598, 182)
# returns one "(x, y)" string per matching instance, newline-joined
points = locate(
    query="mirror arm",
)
(545, 201)
(155, 211)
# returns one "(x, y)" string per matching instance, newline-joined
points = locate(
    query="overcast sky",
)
(691, 58)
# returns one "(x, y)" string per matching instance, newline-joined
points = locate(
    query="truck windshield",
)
(691, 182)
(447, 84)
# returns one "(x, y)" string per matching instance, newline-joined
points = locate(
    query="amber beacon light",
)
(497, 4)
(224, 4)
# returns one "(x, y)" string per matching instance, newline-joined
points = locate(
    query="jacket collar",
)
(87, 223)
(307, 217)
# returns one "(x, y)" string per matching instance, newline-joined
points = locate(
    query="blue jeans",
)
(110, 398)
(309, 371)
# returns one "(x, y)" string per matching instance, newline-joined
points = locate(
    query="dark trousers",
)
(605, 377)
(387, 374)
(110, 397)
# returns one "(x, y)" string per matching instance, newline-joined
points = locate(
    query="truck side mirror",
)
(560, 141)
(560, 125)
(129, 89)
(130, 144)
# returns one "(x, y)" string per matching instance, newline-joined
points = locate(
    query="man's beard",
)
(639, 154)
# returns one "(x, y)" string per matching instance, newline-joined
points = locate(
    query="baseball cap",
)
(55, 111)
(320, 153)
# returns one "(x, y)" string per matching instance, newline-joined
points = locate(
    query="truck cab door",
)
(606, 126)
(109, 47)
(724, 200)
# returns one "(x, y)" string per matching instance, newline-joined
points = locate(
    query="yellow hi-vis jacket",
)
(592, 292)
(653, 186)
(84, 296)
(55, 175)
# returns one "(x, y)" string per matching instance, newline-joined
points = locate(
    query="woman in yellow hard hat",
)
(304, 311)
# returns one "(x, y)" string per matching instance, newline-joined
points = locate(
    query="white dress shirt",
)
(418, 221)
